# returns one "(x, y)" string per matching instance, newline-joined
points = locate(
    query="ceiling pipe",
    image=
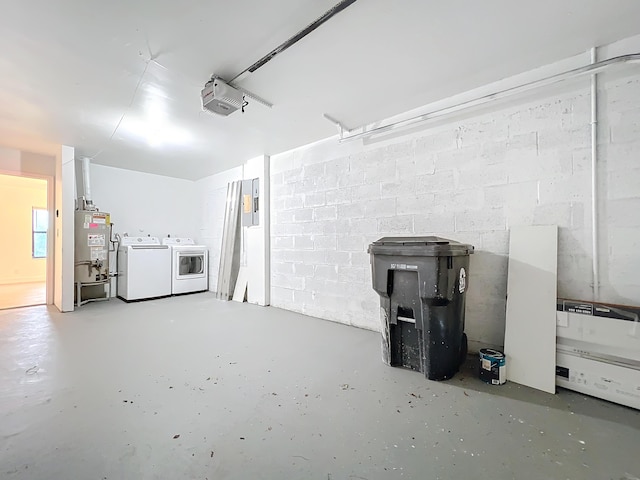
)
(590, 69)
(594, 180)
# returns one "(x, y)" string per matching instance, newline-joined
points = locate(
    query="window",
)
(40, 224)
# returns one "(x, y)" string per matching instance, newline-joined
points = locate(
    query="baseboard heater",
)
(598, 350)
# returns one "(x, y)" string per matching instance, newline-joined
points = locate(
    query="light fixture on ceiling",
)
(157, 133)
(155, 126)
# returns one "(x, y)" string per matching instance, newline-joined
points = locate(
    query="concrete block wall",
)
(620, 191)
(470, 181)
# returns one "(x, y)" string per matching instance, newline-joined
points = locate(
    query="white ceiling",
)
(69, 69)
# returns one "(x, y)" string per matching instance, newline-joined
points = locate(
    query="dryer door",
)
(190, 265)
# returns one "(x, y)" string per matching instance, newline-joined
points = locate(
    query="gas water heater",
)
(92, 236)
(92, 255)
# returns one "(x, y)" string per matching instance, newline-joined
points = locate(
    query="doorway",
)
(25, 241)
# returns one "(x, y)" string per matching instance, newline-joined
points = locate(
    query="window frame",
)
(34, 232)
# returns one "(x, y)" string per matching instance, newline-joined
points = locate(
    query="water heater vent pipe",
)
(86, 179)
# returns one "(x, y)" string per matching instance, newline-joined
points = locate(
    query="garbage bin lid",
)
(419, 246)
(414, 241)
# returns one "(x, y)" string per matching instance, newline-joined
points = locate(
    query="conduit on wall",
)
(594, 180)
(591, 69)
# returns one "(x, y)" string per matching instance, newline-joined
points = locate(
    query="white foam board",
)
(239, 293)
(530, 331)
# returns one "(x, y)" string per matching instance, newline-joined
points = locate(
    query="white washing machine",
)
(189, 265)
(144, 268)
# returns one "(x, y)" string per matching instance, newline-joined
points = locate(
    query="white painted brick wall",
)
(620, 191)
(469, 181)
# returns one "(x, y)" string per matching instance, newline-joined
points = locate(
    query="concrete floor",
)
(193, 388)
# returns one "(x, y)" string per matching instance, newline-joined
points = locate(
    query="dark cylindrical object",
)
(422, 282)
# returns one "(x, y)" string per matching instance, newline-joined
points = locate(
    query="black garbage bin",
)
(422, 282)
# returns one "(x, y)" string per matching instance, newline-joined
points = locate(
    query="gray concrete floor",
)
(193, 388)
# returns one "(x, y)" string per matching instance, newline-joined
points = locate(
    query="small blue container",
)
(493, 366)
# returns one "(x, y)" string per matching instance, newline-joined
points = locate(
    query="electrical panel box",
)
(256, 200)
(250, 202)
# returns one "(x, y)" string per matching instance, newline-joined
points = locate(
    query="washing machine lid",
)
(178, 241)
(127, 241)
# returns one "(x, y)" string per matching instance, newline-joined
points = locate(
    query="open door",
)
(25, 245)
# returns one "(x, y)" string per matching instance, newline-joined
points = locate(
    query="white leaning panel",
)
(530, 332)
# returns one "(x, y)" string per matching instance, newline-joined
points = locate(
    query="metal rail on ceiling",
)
(591, 69)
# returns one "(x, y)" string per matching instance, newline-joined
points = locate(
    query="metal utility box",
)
(422, 283)
(250, 202)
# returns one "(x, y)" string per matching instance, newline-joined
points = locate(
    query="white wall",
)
(64, 234)
(19, 196)
(256, 239)
(143, 204)
(469, 181)
(26, 163)
(255, 247)
(619, 188)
